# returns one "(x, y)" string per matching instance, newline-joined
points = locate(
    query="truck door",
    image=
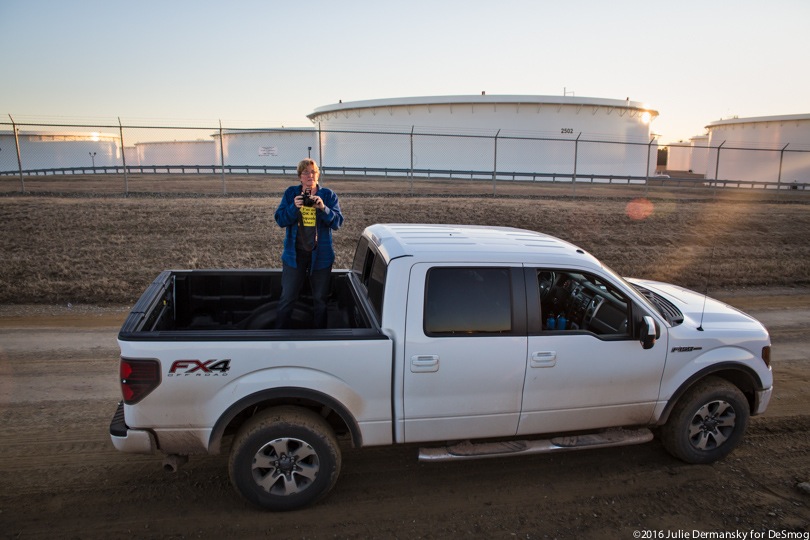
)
(590, 371)
(465, 351)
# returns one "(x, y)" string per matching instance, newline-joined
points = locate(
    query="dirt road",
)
(60, 477)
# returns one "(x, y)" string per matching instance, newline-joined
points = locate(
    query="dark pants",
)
(292, 280)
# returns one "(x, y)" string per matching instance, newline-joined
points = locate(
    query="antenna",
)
(706, 294)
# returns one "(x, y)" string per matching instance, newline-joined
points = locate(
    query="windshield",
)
(653, 301)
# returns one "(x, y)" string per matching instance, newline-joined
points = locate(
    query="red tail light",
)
(138, 378)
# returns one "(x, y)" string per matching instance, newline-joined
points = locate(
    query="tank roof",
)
(481, 99)
(90, 135)
(759, 119)
(285, 130)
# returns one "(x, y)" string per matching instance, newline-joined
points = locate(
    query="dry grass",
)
(106, 249)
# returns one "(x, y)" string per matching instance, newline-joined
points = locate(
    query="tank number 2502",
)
(567, 130)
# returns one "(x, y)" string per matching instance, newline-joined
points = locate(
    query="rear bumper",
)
(136, 441)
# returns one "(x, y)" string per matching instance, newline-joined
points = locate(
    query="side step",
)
(471, 450)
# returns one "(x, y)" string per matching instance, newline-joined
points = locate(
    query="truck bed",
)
(205, 304)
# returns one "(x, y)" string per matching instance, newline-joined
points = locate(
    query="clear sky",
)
(266, 63)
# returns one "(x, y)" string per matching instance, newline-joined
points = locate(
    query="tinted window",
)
(370, 269)
(376, 284)
(360, 255)
(463, 301)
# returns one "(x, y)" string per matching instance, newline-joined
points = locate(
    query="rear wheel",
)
(284, 458)
(707, 423)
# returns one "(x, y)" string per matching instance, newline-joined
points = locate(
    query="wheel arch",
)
(334, 412)
(741, 376)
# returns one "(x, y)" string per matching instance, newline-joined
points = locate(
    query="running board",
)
(471, 450)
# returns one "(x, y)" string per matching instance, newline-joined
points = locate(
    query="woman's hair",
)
(306, 162)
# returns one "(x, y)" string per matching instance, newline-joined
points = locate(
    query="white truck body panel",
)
(440, 372)
(612, 379)
(712, 333)
(350, 371)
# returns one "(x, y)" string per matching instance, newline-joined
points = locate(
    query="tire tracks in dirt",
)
(60, 475)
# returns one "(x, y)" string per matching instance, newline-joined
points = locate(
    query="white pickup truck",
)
(477, 342)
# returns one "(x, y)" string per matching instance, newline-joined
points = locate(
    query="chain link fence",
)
(119, 158)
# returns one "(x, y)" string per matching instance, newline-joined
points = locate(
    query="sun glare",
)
(639, 209)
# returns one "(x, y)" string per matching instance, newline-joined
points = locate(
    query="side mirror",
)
(649, 332)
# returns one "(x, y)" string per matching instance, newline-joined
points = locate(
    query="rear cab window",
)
(469, 301)
(370, 269)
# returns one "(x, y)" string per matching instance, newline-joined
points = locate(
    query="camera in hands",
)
(307, 200)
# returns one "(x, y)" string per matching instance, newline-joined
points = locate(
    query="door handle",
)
(542, 359)
(424, 363)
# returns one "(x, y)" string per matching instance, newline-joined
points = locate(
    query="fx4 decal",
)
(199, 368)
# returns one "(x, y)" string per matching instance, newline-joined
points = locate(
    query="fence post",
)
(647, 173)
(222, 157)
(123, 158)
(717, 167)
(495, 165)
(410, 172)
(19, 158)
(574, 178)
(320, 146)
(779, 178)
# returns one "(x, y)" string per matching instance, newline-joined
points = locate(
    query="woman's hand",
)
(318, 202)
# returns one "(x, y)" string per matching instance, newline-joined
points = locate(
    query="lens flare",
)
(639, 209)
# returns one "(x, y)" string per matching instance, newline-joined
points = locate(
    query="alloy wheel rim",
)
(712, 425)
(285, 466)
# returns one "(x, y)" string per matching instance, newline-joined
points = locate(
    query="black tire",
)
(707, 423)
(284, 458)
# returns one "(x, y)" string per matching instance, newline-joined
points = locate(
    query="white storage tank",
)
(131, 156)
(534, 134)
(44, 151)
(199, 152)
(678, 156)
(267, 147)
(760, 149)
(698, 154)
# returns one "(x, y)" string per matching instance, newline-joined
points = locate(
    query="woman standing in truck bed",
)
(310, 213)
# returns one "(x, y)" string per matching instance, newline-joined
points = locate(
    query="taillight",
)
(138, 378)
(766, 355)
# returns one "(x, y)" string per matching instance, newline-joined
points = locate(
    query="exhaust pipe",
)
(172, 462)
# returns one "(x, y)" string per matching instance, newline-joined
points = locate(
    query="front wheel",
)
(284, 458)
(707, 423)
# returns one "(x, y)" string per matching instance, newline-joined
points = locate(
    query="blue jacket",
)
(327, 220)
